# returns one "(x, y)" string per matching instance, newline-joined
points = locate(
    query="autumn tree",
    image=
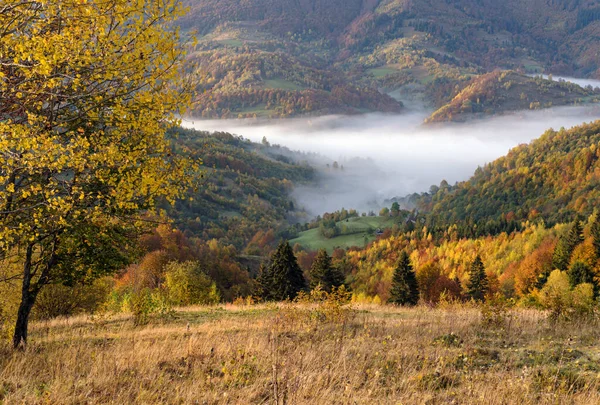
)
(87, 90)
(405, 290)
(324, 274)
(283, 278)
(477, 286)
(187, 284)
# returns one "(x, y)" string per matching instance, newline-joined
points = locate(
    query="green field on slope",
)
(357, 228)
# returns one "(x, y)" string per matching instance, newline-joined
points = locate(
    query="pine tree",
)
(477, 286)
(595, 232)
(566, 245)
(580, 273)
(283, 278)
(405, 290)
(323, 273)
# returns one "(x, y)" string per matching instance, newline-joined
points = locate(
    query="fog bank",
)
(578, 81)
(399, 155)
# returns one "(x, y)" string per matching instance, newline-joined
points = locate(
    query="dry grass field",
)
(318, 354)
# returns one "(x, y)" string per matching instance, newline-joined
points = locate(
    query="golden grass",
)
(304, 354)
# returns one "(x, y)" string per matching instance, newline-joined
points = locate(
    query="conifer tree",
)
(566, 245)
(264, 284)
(405, 290)
(477, 286)
(283, 278)
(595, 233)
(580, 273)
(324, 274)
(575, 236)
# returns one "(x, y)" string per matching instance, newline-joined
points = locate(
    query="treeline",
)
(517, 266)
(254, 103)
(554, 178)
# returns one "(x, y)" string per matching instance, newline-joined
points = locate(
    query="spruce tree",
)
(264, 283)
(405, 290)
(283, 278)
(575, 236)
(323, 273)
(566, 245)
(580, 273)
(477, 286)
(595, 233)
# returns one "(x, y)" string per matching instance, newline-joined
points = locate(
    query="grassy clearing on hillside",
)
(259, 110)
(359, 228)
(308, 354)
(313, 240)
(282, 84)
(382, 71)
(232, 42)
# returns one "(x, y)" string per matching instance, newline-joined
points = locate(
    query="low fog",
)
(398, 155)
(580, 82)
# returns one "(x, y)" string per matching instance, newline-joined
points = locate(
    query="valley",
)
(300, 201)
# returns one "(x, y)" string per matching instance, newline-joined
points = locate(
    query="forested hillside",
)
(501, 92)
(245, 191)
(278, 59)
(554, 178)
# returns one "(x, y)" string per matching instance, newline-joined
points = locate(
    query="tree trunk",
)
(27, 299)
(20, 336)
(29, 292)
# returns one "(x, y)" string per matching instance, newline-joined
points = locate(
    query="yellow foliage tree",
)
(87, 91)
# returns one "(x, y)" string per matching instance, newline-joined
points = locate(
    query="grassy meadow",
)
(357, 229)
(307, 353)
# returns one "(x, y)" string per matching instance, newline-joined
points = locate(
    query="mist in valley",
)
(365, 160)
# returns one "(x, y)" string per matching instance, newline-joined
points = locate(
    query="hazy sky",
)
(406, 156)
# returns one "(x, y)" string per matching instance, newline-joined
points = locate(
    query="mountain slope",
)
(246, 189)
(555, 177)
(427, 48)
(500, 92)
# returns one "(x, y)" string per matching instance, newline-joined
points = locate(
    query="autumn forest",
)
(211, 201)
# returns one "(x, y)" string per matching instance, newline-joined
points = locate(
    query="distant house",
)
(379, 232)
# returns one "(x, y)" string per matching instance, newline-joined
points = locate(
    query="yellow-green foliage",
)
(186, 284)
(563, 301)
(451, 258)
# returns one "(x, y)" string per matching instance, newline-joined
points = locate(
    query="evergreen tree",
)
(264, 283)
(405, 290)
(566, 245)
(580, 273)
(323, 273)
(595, 232)
(575, 236)
(282, 279)
(477, 286)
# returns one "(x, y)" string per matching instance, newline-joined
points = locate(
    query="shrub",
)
(564, 302)
(186, 284)
(60, 300)
(556, 294)
(146, 303)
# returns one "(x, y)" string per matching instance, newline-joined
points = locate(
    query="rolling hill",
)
(269, 58)
(501, 92)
